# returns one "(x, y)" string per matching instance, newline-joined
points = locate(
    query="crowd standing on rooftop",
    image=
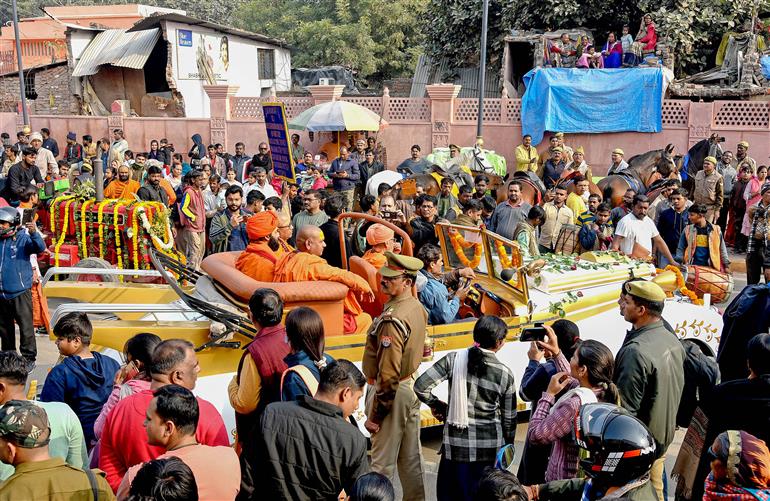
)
(151, 438)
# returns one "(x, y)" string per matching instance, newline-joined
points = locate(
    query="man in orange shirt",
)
(259, 259)
(123, 186)
(306, 264)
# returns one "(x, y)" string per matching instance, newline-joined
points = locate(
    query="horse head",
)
(666, 163)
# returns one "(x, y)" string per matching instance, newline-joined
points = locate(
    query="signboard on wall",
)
(278, 138)
(199, 53)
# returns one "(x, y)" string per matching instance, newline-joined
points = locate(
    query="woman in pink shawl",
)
(752, 195)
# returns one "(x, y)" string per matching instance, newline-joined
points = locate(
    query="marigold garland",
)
(135, 235)
(458, 242)
(63, 235)
(118, 249)
(680, 283)
(84, 227)
(505, 260)
(100, 225)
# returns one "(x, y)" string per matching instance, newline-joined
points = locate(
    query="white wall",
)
(79, 40)
(242, 69)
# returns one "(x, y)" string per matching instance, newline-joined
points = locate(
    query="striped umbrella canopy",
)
(337, 116)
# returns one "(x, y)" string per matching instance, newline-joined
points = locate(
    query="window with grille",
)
(266, 63)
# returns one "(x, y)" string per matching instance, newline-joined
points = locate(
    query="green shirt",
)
(67, 440)
(53, 480)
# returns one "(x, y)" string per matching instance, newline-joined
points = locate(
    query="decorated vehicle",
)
(120, 231)
(209, 308)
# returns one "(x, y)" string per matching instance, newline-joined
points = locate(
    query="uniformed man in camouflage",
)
(394, 346)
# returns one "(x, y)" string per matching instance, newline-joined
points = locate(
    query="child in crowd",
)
(230, 177)
(84, 379)
(590, 59)
(626, 41)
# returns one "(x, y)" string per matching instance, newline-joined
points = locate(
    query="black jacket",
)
(150, 193)
(745, 317)
(19, 178)
(332, 252)
(308, 451)
(423, 232)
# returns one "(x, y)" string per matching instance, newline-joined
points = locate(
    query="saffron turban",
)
(378, 234)
(261, 225)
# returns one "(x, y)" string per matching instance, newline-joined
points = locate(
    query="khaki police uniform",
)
(394, 346)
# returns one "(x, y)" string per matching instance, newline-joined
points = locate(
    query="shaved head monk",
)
(123, 186)
(306, 264)
(259, 259)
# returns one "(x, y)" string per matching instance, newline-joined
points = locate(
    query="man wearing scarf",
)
(123, 187)
(306, 264)
(259, 258)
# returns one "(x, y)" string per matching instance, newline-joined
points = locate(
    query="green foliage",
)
(372, 37)
(453, 30)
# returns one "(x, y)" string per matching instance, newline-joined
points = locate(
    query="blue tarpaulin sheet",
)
(591, 101)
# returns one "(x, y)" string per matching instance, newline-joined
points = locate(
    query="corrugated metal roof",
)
(118, 48)
(429, 72)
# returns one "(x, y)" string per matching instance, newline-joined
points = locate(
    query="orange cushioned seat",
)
(324, 297)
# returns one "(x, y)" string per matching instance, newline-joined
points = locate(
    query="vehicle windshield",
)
(464, 247)
(505, 256)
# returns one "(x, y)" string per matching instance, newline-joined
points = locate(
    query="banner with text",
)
(278, 138)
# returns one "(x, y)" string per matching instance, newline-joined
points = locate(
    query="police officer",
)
(393, 352)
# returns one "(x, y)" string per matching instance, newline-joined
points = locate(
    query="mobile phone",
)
(29, 216)
(536, 333)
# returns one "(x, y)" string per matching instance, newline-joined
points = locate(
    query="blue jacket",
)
(15, 268)
(434, 297)
(349, 166)
(293, 385)
(84, 385)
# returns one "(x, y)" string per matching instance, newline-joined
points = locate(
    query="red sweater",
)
(124, 439)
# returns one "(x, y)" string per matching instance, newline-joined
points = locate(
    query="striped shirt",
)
(546, 427)
(491, 409)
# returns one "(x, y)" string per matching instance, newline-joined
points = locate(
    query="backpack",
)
(307, 377)
(587, 237)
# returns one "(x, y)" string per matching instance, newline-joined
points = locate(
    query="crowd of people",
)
(617, 52)
(601, 424)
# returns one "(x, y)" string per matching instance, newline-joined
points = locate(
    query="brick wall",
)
(53, 92)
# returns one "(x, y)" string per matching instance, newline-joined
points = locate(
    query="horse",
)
(643, 170)
(694, 160)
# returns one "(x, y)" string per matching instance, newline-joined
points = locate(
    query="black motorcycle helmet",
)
(12, 216)
(620, 447)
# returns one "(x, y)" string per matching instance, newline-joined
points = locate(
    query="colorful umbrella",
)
(337, 116)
